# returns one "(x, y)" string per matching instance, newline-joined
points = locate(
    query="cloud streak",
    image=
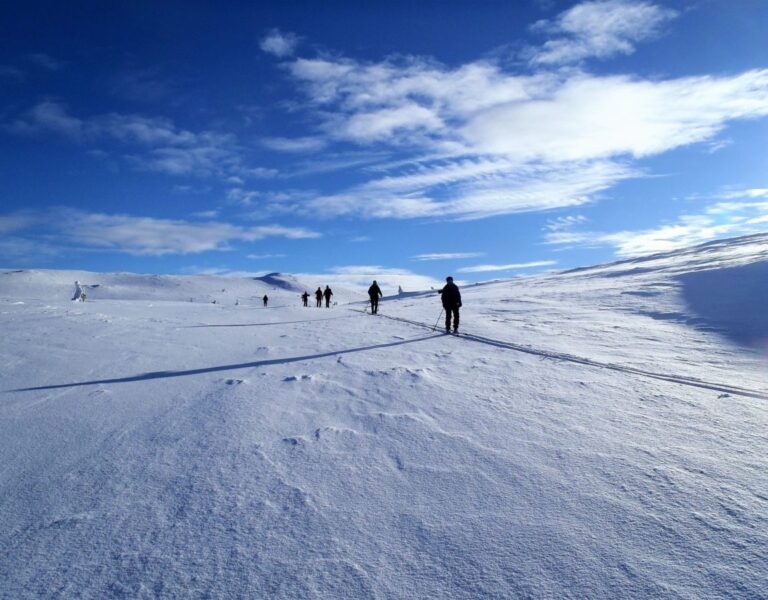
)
(729, 218)
(447, 256)
(152, 143)
(509, 267)
(139, 236)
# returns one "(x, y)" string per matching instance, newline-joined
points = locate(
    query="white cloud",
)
(50, 116)
(723, 219)
(745, 193)
(447, 255)
(387, 122)
(242, 197)
(527, 189)
(278, 43)
(509, 267)
(487, 142)
(591, 117)
(145, 236)
(360, 277)
(600, 29)
(16, 221)
(299, 144)
(563, 223)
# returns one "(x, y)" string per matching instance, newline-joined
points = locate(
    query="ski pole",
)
(438, 319)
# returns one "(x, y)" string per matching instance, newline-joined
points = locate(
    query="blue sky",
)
(406, 141)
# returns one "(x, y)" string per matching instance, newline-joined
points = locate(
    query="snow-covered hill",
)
(596, 433)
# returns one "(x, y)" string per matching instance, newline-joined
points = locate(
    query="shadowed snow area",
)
(597, 433)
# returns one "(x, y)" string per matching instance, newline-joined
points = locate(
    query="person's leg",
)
(456, 319)
(447, 319)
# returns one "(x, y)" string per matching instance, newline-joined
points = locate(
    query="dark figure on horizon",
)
(319, 297)
(451, 303)
(374, 293)
(305, 298)
(265, 300)
(327, 293)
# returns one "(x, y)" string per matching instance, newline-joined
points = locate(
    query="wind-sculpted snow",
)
(587, 436)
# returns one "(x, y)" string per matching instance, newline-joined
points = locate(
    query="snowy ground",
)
(599, 433)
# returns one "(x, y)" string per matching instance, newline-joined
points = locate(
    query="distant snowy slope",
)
(51, 285)
(599, 433)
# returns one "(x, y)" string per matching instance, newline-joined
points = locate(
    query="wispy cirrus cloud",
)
(740, 215)
(599, 29)
(563, 223)
(481, 141)
(447, 256)
(152, 143)
(507, 267)
(139, 236)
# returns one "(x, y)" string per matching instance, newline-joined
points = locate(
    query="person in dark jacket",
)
(305, 298)
(319, 297)
(374, 293)
(451, 303)
(327, 293)
(265, 299)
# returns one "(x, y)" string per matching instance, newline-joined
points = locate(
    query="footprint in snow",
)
(298, 378)
(293, 441)
(234, 381)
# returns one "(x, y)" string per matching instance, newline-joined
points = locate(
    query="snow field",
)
(172, 449)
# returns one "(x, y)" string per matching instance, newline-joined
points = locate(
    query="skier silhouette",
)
(327, 293)
(305, 297)
(451, 303)
(265, 299)
(319, 297)
(374, 293)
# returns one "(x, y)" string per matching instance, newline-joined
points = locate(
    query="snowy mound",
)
(598, 433)
(283, 282)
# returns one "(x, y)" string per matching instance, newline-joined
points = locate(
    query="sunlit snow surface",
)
(153, 444)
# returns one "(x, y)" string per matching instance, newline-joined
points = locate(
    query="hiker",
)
(79, 293)
(451, 303)
(305, 297)
(374, 293)
(265, 299)
(327, 293)
(319, 297)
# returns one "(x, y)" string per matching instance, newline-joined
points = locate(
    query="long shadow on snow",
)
(733, 300)
(258, 363)
(265, 324)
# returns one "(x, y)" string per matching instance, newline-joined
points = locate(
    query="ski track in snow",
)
(176, 449)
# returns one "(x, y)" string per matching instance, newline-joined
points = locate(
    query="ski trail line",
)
(679, 379)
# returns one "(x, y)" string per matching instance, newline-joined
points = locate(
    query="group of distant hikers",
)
(451, 298)
(319, 295)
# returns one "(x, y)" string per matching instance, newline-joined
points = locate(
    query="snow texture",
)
(598, 433)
